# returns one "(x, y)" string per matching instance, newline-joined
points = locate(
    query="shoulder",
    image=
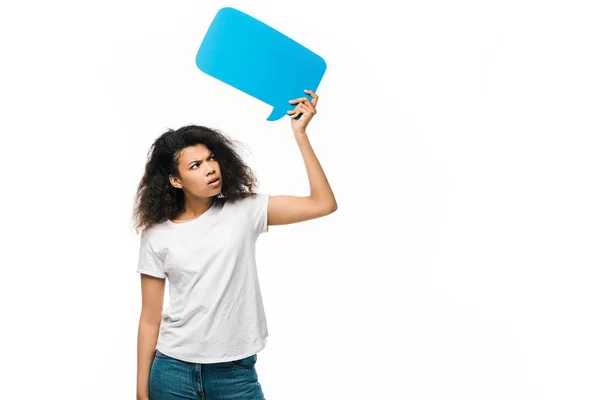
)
(253, 197)
(154, 233)
(255, 209)
(252, 200)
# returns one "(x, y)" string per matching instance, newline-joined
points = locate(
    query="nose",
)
(210, 169)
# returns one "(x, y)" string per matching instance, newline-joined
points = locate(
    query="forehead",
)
(197, 152)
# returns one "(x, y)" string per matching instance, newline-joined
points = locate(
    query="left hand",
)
(307, 108)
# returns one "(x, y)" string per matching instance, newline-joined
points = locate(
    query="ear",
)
(175, 182)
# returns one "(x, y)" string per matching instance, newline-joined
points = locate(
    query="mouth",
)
(214, 182)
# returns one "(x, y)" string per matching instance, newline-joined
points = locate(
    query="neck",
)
(194, 207)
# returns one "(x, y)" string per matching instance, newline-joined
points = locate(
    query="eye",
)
(212, 157)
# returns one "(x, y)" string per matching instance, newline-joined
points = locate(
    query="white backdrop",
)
(460, 139)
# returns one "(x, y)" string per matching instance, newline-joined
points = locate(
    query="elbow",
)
(324, 207)
(331, 208)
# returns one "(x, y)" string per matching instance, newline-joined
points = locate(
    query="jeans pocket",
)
(244, 363)
(158, 354)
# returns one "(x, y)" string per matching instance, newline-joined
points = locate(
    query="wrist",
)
(299, 132)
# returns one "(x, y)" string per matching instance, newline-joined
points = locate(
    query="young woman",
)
(200, 217)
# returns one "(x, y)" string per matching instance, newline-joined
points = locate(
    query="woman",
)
(200, 218)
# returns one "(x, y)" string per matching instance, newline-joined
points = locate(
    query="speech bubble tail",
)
(276, 114)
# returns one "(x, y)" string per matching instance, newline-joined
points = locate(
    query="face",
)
(197, 168)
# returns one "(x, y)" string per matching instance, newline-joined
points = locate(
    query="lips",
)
(213, 181)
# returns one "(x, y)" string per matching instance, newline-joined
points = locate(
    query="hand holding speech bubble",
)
(249, 55)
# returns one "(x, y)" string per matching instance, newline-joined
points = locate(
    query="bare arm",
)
(153, 290)
(321, 201)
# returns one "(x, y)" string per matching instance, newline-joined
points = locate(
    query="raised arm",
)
(321, 201)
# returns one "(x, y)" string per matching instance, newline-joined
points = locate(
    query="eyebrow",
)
(200, 161)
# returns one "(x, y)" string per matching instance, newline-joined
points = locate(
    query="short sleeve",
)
(256, 208)
(149, 262)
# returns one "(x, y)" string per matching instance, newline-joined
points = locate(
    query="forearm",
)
(147, 338)
(320, 190)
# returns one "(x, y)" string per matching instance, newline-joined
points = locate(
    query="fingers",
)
(304, 102)
(304, 105)
(301, 109)
(296, 111)
(314, 96)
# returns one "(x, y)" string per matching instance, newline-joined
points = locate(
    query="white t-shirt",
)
(215, 311)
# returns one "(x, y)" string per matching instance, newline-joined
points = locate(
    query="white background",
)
(461, 141)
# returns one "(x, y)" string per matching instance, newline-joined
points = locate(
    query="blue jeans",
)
(172, 379)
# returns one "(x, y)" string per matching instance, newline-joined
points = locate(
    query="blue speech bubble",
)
(251, 56)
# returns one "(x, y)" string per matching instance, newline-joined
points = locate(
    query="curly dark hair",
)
(156, 200)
